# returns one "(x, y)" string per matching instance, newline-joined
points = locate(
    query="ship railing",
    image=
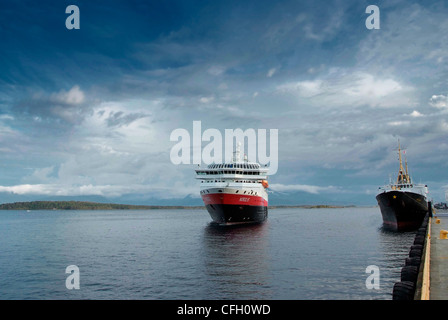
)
(399, 186)
(231, 172)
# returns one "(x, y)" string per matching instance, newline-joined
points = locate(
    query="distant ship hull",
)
(402, 210)
(230, 208)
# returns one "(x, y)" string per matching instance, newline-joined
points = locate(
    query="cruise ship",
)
(403, 204)
(235, 192)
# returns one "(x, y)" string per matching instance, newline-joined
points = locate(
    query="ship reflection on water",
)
(236, 261)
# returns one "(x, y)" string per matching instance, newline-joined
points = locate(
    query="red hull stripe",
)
(235, 199)
(401, 225)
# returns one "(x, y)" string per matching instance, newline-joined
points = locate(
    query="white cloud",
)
(343, 88)
(271, 72)
(119, 149)
(73, 97)
(42, 173)
(300, 187)
(97, 190)
(398, 123)
(303, 88)
(410, 34)
(206, 99)
(6, 117)
(313, 70)
(443, 126)
(366, 86)
(23, 189)
(223, 86)
(438, 101)
(9, 137)
(321, 31)
(216, 70)
(416, 114)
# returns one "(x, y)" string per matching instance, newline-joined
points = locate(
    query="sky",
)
(87, 113)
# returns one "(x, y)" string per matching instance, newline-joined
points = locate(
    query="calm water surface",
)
(177, 254)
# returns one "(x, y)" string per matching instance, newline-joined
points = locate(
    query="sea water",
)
(297, 254)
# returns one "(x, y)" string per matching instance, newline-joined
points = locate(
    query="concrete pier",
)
(425, 274)
(434, 284)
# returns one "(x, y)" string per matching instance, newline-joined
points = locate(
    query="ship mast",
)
(400, 170)
(403, 175)
(237, 153)
(408, 177)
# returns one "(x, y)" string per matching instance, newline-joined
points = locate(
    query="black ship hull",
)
(402, 210)
(230, 214)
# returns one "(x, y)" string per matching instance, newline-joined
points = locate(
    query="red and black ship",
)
(235, 192)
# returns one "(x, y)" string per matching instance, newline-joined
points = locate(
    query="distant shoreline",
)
(85, 205)
(81, 205)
